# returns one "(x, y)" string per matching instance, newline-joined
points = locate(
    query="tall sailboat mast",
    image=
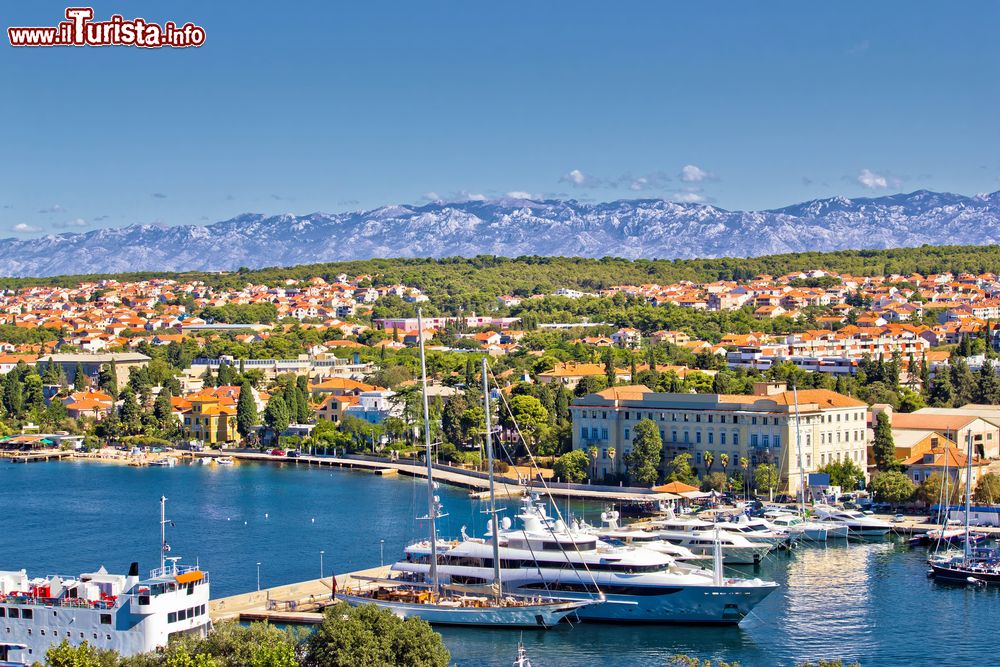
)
(431, 503)
(495, 525)
(798, 447)
(968, 493)
(163, 533)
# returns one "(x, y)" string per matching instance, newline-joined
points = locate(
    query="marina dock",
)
(301, 602)
(31, 457)
(477, 483)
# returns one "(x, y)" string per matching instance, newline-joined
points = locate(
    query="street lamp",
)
(381, 553)
(321, 552)
(258, 576)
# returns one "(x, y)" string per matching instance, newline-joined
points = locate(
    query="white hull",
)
(529, 616)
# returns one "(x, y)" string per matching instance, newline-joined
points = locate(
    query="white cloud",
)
(693, 174)
(75, 222)
(471, 196)
(576, 177)
(688, 197)
(639, 184)
(872, 181)
(518, 194)
(24, 228)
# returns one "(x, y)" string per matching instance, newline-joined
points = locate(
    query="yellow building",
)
(211, 421)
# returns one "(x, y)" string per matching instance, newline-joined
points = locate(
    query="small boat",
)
(205, 461)
(522, 656)
(224, 460)
(165, 462)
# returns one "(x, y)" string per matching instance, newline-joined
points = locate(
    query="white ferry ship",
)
(124, 613)
(109, 611)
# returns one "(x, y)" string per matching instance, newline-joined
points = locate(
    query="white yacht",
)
(858, 524)
(808, 529)
(761, 530)
(638, 584)
(700, 537)
(614, 534)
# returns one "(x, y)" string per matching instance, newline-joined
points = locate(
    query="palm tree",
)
(592, 450)
(745, 464)
(611, 454)
(724, 462)
(709, 459)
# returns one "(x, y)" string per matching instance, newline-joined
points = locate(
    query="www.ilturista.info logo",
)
(81, 30)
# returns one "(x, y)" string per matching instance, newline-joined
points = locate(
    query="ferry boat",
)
(638, 585)
(124, 613)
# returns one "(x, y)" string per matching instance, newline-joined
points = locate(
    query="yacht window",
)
(106, 620)
(27, 614)
(15, 612)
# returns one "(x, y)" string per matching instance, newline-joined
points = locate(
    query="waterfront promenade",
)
(475, 481)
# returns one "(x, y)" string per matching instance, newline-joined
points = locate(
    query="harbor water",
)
(868, 602)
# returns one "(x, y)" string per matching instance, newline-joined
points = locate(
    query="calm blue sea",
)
(868, 602)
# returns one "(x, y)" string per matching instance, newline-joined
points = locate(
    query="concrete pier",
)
(301, 602)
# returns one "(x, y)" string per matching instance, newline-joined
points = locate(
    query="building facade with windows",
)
(761, 427)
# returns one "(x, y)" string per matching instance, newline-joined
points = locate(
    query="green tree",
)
(936, 489)
(609, 367)
(883, 446)
(246, 411)
(233, 645)
(941, 394)
(163, 410)
(79, 378)
(276, 415)
(451, 418)
(679, 469)
(988, 385)
(108, 380)
(572, 466)
(714, 481)
(988, 489)
(131, 413)
(530, 416)
(846, 474)
(765, 478)
(709, 458)
(65, 655)
(892, 487)
(644, 459)
(366, 636)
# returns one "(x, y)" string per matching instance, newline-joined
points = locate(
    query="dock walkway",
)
(30, 457)
(475, 482)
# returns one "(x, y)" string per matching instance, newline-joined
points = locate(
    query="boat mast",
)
(968, 493)
(493, 501)
(798, 448)
(431, 504)
(163, 532)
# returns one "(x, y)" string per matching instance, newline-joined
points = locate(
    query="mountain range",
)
(636, 228)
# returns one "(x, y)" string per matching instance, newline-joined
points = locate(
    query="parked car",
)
(277, 452)
(293, 453)
(899, 518)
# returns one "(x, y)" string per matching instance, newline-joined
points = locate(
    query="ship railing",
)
(174, 570)
(77, 603)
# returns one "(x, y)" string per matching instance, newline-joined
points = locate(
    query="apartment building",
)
(760, 427)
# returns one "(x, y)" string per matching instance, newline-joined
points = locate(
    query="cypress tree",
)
(79, 377)
(246, 411)
(276, 415)
(131, 413)
(883, 446)
(162, 408)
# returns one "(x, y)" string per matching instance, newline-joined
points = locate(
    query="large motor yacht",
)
(701, 536)
(638, 584)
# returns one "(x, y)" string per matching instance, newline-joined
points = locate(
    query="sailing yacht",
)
(973, 566)
(428, 599)
(639, 585)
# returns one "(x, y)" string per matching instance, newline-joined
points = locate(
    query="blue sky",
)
(328, 106)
